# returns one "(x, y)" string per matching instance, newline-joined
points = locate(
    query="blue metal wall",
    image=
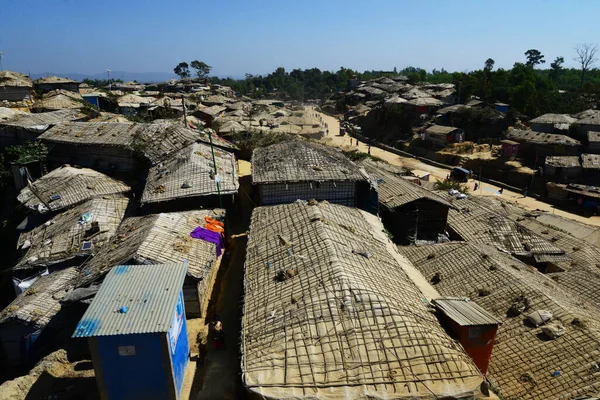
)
(180, 348)
(93, 100)
(133, 377)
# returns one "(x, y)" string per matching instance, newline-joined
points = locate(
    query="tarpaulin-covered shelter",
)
(67, 186)
(26, 127)
(32, 314)
(77, 232)
(332, 311)
(188, 179)
(137, 332)
(526, 361)
(14, 86)
(410, 211)
(288, 171)
(161, 239)
(50, 83)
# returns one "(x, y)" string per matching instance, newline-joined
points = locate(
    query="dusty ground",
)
(529, 203)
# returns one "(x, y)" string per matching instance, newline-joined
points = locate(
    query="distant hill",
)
(142, 77)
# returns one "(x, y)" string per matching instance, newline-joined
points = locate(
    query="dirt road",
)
(420, 168)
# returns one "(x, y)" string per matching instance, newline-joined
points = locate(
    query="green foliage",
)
(534, 57)
(182, 69)
(27, 152)
(247, 142)
(355, 155)
(448, 184)
(202, 69)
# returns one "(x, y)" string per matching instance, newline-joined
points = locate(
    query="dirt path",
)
(418, 167)
(218, 375)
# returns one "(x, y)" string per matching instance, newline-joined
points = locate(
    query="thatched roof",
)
(563, 161)
(229, 127)
(212, 111)
(590, 161)
(155, 239)
(73, 185)
(479, 224)
(331, 310)
(60, 101)
(541, 138)
(7, 114)
(425, 101)
(524, 359)
(40, 302)
(300, 161)
(62, 237)
(39, 122)
(441, 130)
(592, 117)
(156, 141)
(14, 79)
(216, 100)
(593, 136)
(190, 173)
(553, 119)
(133, 101)
(55, 79)
(416, 93)
(395, 191)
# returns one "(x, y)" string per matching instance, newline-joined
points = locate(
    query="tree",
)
(182, 69)
(202, 69)
(534, 57)
(556, 67)
(489, 64)
(586, 57)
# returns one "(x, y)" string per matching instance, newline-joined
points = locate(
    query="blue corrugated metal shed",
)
(134, 299)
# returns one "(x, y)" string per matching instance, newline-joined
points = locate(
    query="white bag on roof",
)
(539, 317)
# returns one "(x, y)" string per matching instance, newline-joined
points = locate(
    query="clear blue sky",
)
(239, 36)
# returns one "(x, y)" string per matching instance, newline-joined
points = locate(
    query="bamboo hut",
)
(26, 127)
(332, 311)
(159, 239)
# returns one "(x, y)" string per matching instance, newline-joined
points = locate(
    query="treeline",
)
(529, 89)
(298, 84)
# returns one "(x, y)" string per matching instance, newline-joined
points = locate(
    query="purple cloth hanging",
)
(209, 236)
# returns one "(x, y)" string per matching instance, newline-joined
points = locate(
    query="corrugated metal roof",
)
(465, 312)
(149, 293)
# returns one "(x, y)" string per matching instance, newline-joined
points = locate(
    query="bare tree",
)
(586, 57)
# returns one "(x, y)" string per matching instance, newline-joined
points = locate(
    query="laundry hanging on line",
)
(209, 236)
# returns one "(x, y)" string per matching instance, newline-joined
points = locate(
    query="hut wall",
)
(97, 157)
(14, 93)
(13, 343)
(343, 193)
(422, 219)
(539, 127)
(14, 135)
(70, 86)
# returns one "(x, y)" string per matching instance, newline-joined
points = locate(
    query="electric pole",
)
(108, 71)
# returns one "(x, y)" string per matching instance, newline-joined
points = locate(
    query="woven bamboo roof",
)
(231, 127)
(14, 79)
(395, 191)
(211, 111)
(60, 101)
(7, 114)
(590, 161)
(553, 119)
(190, 173)
(40, 302)
(55, 79)
(73, 185)
(42, 121)
(593, 136)
(301, 161)
(541, 138)
(523, 360)
(563, 161)
(441, 130)
(155, 239)
(592, 117)
(332, 311)
(425, 101)
(478, 224)
(216, 100)
(415, 93)
(62, 237)
(156, 141)
(132, 100)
